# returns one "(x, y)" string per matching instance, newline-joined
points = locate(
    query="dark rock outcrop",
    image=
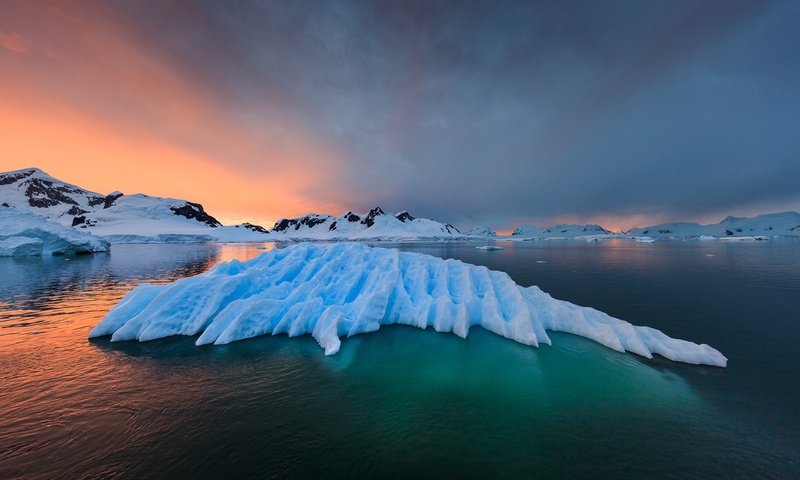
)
(42, 193)
(76, 210)
(281, 225)
(254, 228)
(369, 220)
(95, 201)
(194, 211)
(13, 177)
(404, 216)
(286, 223)
(110, 199)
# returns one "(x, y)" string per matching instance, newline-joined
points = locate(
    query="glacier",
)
(344, 289)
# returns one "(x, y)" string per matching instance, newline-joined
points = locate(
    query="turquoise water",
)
(404, 402)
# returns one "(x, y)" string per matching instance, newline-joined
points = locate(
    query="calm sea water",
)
(405, 402)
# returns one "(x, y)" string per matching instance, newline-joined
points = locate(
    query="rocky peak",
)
(369, 220)
(40, 190)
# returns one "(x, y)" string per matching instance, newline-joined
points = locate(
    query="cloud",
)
(13, 42)
(470, 112)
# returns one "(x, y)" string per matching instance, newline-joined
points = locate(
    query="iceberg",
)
(25, 234)
(20, 247)
(344, 289)
(488, 247)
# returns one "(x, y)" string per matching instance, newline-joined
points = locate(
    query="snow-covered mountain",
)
(771, 224)
(142, 218)
(481, 232)
(560, 231)
(376, 224)
(37, 192)
(116, 216)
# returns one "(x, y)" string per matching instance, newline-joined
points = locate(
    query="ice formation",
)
(20, 247)
(330, 291)
(25, 234)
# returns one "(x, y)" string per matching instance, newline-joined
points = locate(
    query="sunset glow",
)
(399, 239)
(226, 106)
(89, 103)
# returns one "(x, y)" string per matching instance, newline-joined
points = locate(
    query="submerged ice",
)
(332, 291)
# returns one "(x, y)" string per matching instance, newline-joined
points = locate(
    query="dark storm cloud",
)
(471, 111)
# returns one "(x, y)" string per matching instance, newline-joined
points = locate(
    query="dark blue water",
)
(409, 403)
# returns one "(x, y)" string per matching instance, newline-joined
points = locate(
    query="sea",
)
(410, 403)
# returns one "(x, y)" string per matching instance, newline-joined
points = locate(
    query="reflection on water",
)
(404, 401)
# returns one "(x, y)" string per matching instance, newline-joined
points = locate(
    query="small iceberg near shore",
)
(332, 291)
(644, 239)
(488, 247)
(24, 234)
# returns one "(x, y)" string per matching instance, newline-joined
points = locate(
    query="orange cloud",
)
(37, 131)
(105, 111)
(13, 42)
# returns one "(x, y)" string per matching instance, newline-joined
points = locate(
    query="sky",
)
(492, 113)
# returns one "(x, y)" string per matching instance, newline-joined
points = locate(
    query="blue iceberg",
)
(333, 291)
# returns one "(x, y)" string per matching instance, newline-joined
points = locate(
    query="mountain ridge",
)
(138, 217)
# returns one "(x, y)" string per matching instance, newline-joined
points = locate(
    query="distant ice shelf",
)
(332, 291)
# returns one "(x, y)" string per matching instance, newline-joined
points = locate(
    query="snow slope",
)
(23, 233)
(330, 291)
(354, 226)
(122, 218)
(770, 224)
